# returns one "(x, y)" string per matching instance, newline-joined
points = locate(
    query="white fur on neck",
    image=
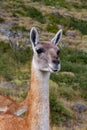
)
(43, 78)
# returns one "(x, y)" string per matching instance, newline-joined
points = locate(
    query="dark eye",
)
(58, 52)
(40, 50)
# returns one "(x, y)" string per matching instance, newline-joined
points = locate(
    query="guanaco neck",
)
(38, 103)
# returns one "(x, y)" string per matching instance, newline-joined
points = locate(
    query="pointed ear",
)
(57, 37)
(34, 37)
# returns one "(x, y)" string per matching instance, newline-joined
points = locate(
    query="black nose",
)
(56, 61)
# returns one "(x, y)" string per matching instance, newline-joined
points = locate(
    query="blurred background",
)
(68, 88)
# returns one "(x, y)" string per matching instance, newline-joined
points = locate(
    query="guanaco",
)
(45, 61)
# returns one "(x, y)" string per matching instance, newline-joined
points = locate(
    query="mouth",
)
(54, 69)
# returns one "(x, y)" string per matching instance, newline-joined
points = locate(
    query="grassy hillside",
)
(67, 87)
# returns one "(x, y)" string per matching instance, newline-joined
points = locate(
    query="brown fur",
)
(11, 105)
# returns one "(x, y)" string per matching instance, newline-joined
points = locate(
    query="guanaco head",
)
(46, 54)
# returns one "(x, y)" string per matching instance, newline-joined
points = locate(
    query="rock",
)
(79, 107)
(4, 32)
(4, 28)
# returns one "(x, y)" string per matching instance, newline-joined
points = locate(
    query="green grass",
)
(67, 22)
(32, 12)
(52, 28)
(35, 14)
(57, 3)
(19, 8)
(58, 113)
(80, 25)
(11, 62)
(65, 4)
(67, 92)
(73, 61)
(79, 5)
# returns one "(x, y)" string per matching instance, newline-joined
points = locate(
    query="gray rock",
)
(79, 107)
(4, 31)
